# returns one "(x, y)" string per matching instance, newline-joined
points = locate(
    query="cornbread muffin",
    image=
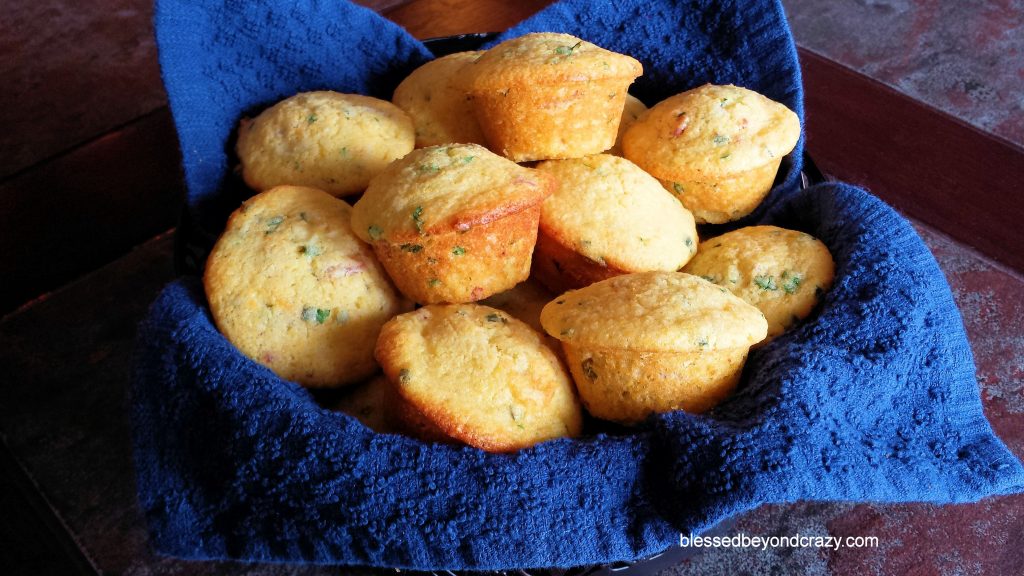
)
(441, 112)
(479, 376)
(653, 342)
(717, 148)
(331, 141)
(523, 302)
(549, 95)
(630, 114)
(607, 218)
(292, 287)
(782, 272)
(371, 403)
(453, 223)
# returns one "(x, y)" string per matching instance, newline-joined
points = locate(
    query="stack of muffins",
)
(525, 245)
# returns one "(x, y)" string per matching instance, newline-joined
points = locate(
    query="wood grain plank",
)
(77, 212)
(432, 18)
(927, 164)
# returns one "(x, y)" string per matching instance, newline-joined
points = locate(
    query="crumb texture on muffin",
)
(292, 287)
(440, 110)
(480, 376)
(654, 311)
(616, 215)
(327, 140)
(782, 272)
(549, 58)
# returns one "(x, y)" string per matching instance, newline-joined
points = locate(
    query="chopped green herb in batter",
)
(274, 223)
(417, 219)
(765, 282)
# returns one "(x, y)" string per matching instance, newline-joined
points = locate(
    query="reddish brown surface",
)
(927, 164)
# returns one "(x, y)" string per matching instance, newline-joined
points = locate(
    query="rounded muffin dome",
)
(292, 287)
(479, 376)
(327, 140)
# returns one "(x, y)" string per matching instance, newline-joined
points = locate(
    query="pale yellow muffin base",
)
(627, 386)
(458, 267)
(541, 122)
(715, 201)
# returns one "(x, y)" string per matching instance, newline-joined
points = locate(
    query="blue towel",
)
(875, 399)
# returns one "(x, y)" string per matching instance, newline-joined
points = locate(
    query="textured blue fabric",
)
(874, 399)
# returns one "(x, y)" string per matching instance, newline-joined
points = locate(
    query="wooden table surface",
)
(68, 496)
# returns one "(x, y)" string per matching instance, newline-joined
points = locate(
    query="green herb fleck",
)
(722, 103)
(375, 232)
(492, 317)
(588, 369)
(468, 159)
(413, 248)
(678, 187)
(311, 250)
(433, 282)
(567, 50)
(429, 168)
(458, 251)
(568, 332)
(709, 278)
(344, 150)
(403, 376)
(689, 242)
(516, 415)
(791, 281)
(703, 342)
(720, 140)
(765, 282)
(725, 156)
(417, 219)
(314, 314)
(274, 223)
(311, 119)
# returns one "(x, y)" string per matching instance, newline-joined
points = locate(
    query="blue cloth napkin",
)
(874, 399)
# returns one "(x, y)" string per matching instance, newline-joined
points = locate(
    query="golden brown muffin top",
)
(655, 312)
(441, 111)
(480, 375)
(443, 188)
(711, 130)
(331, 141)
(546, 58)
(292, 287)
(782, 272)
(609, 210)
